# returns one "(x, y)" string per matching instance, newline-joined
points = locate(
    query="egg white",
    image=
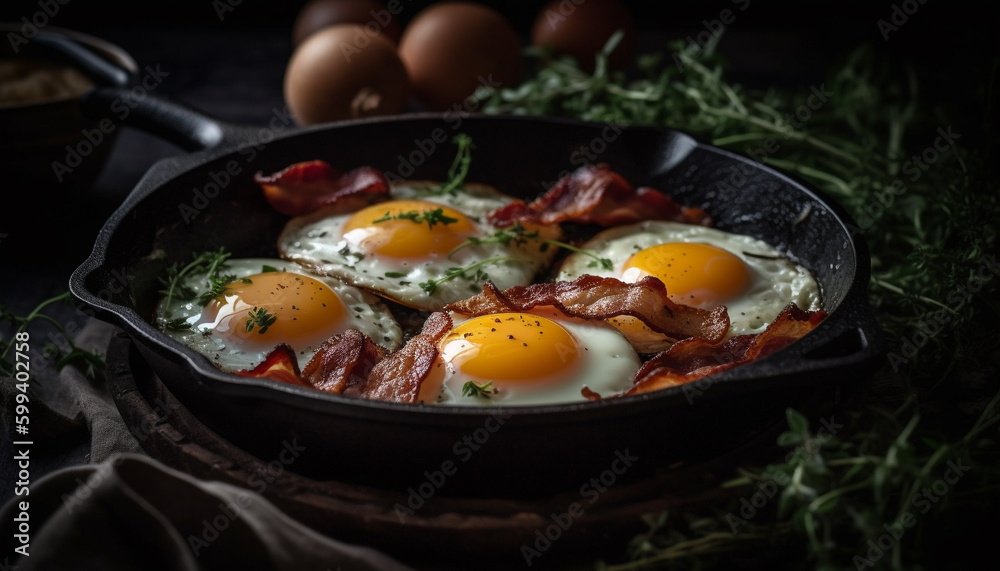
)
(316, 241)
(777, 280)
(606, 364)
(365, 312)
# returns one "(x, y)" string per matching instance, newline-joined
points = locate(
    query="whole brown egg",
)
(342, 72)
(581, 28)
(452, 48)
(318, 14)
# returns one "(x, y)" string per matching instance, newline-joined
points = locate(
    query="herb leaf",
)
(205, 262)
(473, 273)
(474, 389)
(516, 235)
(460, 166)
(603, 263)
(431, 217)
(260, 317)
(217, 287)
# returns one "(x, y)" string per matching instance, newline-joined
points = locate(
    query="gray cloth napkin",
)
(97, 501)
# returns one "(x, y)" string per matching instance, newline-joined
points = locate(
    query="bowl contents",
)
(25, 80)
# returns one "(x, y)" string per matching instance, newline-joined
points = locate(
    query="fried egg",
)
(266, 302)
(537, 358)
(702, 267)
(423, 249)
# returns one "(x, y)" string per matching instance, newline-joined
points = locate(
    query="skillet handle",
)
(853, 336)
(174, 122)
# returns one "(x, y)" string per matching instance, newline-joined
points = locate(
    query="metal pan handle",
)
(172, 121)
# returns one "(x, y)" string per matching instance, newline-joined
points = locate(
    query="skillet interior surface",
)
(207, 200)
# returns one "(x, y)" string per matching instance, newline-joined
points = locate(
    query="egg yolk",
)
(407, 229)
(511, 349)
(274, 307)
(695, 274)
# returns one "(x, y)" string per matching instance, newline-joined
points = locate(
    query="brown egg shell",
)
(451, 48)
(343, 72)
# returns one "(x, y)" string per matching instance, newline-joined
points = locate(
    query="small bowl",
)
(52, 143)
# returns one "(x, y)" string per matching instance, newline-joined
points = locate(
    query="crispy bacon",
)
(304, 187)
(280, 365)
(594, 297)
(398, 377)
(342, 363)
(696, 358)
(596, 194)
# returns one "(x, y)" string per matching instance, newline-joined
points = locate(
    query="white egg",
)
(704, 267)
(423, 249)
(536, 358)
(267, 302)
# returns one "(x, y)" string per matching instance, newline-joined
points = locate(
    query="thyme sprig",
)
(473, 273)
(89, 363)
(209, 262)
(431, 217)
(597, 261)
(474, 389)
(261, 318)
(217, 286)
(459, 168)
(517, 235)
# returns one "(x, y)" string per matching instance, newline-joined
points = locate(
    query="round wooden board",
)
(445, 532)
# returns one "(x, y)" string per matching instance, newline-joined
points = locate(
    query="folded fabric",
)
(132, 512)
(96, 501)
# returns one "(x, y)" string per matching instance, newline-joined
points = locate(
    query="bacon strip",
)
(342, 363)
(398, 377)
(304, 187)
(596, 194)
(696, 358)
(595, 297)
(279, 365)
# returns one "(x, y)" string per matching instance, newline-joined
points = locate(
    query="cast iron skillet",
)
(208, 199)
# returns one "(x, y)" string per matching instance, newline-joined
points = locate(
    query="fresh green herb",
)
(89, 363)
(597, 262)
(516, 235)
(208, 263)
(460, 166)
(929, 236)
(177, 324)
(217, 287)
(431, 217)
(395, 274)
(268, 269)
(472, 272)
(346, 252)
(474, 389)
(259, 317)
